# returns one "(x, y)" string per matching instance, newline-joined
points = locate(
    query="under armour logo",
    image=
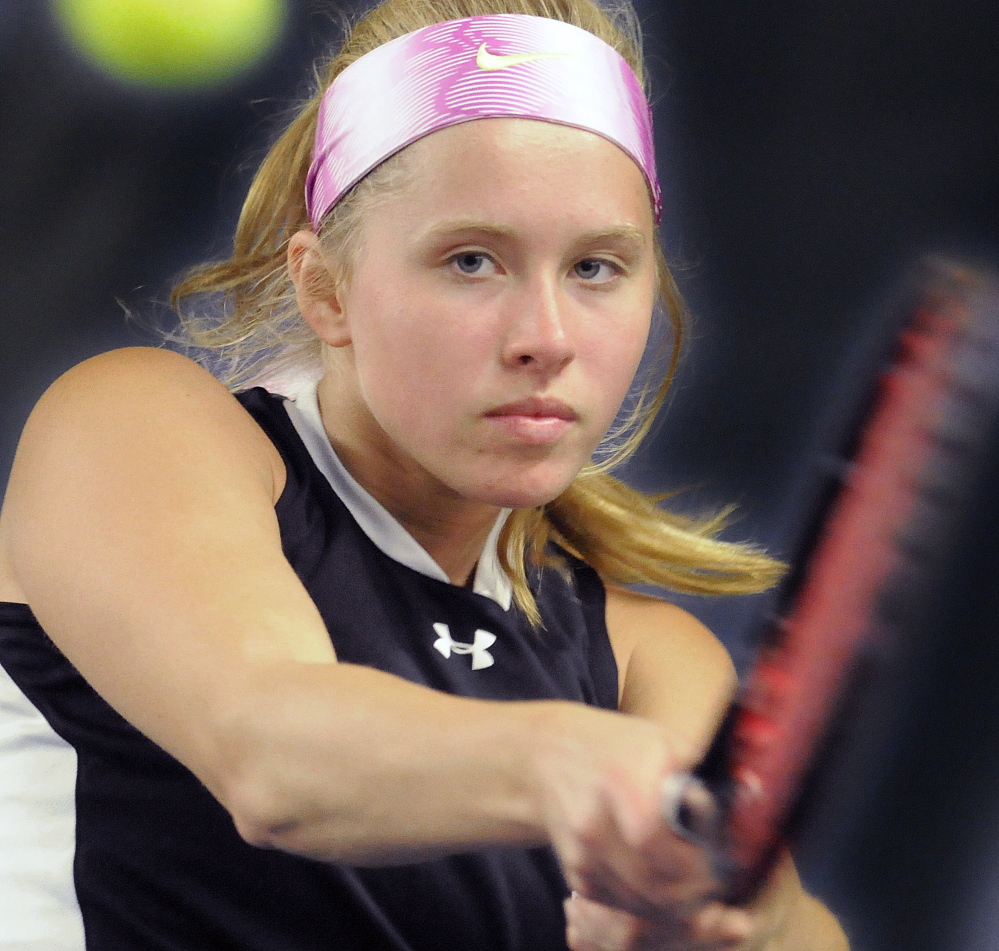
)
(481, 658)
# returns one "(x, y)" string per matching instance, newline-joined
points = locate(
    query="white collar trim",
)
(376, 521)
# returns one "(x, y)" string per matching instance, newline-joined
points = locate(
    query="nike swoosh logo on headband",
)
(491, 62)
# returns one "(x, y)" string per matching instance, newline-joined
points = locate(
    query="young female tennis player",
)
(341, 671)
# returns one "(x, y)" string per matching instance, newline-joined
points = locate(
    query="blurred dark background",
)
(810, 154)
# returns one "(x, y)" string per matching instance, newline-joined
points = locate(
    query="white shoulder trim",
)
(376, 521)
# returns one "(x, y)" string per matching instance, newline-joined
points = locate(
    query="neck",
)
(450, 528)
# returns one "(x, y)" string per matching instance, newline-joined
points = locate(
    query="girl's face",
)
(496, 313)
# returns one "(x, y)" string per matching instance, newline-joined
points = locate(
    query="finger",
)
(721, 926)
(631, 859)
(591, 926)
(665, 865)
(633, 884)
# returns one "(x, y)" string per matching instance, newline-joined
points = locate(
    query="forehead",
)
(490, 166)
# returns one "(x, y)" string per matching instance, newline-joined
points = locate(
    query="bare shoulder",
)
(140, 523)
(634, 617)
(144, 387)
(131, 419)
(144, 404)
(671, 668)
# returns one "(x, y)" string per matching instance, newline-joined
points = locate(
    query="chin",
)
(525, 491)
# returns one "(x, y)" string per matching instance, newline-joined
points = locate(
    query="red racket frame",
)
(774, 732)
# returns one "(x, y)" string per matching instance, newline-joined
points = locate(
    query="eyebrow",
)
(624, 232)
(461, 225)
(627, 233)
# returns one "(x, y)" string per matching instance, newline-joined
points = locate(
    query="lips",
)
(534, 422)
(536, 408)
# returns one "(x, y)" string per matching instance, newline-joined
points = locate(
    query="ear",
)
(316, 290)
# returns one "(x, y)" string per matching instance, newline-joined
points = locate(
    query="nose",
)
(538, 337)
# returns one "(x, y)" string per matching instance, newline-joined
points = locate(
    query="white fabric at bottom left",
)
(38, 906)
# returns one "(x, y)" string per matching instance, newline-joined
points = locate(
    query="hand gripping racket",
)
(903, 477)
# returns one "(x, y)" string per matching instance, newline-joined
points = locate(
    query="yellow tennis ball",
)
(172, 43)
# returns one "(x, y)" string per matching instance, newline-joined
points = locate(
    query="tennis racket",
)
(899, 481)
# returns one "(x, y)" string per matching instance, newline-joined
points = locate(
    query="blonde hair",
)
(622, 533)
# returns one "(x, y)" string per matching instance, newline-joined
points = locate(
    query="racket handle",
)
(697, 813)
(691, 809)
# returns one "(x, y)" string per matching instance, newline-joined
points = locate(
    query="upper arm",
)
(140, 525)
(672, 669)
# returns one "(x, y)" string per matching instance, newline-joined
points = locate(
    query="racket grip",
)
(691, 809)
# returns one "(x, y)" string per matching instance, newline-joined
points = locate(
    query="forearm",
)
(346, 763)
(811, 927)
(350, 764)
(793, 920)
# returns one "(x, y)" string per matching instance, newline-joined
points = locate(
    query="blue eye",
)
(595, 271)
(471, 262)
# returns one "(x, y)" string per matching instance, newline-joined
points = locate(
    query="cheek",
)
(616, 356)
(410, 366)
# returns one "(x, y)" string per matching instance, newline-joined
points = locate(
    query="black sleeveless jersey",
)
(112, 845)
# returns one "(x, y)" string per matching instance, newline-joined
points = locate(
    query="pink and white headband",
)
(484, 67)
